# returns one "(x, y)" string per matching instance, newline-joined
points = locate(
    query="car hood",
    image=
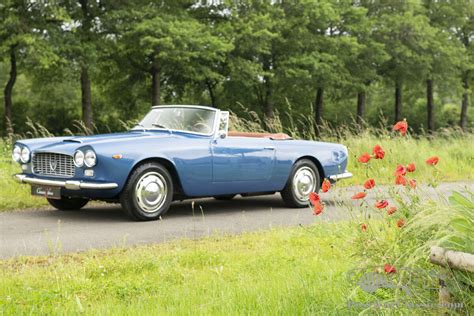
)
(115, 137)
(68, 145)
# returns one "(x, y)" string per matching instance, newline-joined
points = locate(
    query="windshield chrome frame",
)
(212, 133)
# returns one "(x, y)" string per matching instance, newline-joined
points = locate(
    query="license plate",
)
(45, 191)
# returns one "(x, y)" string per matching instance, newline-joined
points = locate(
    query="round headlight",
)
(90, 159)
(79, 158)
(16, 155)
(25, 155)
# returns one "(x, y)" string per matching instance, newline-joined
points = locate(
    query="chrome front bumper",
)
(341, 176)
(67, 184)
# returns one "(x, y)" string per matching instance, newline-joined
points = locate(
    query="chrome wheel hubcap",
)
(151, 191)
(304, 182)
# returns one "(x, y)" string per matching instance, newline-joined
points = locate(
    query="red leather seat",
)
(276, 136)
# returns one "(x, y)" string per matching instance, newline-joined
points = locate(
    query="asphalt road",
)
(47, 231)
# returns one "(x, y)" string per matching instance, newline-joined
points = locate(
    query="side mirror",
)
(223, 124)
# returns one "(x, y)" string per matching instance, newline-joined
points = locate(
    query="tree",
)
(403, 32)
(171, 46)
(79, 38)
(255, 59)
(445, 55)
(456, 20)
(23, 25)
(211, 67)
(365, 58)
(322, 48)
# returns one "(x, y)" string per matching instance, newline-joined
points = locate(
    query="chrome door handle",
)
(269, 148)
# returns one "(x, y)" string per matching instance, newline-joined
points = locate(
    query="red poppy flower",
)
(411, 167)
(381, 204)
(389, 268)
(391, 210)
(363, 227)
(400, 223)
(318, 208)
(401, 126)
(359, 195)
(400, 171)
(432, 160)
(378, 152)
(369, 184)
(400, 180)
(326, 185)
(364, 158)
(314, 198)
(412, 183)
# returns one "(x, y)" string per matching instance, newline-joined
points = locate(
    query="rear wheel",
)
(148, 192)
(226, 197)
(304, 179)
(68, 203)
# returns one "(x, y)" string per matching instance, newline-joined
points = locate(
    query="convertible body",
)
(208, 162)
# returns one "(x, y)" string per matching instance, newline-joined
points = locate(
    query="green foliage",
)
(459, 235)
(260, 54)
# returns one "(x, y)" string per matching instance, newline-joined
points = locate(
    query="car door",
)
(242, 159)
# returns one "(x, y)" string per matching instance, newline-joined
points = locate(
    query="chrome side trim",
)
(341, 176)
(68, 184)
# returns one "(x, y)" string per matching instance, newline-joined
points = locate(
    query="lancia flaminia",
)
(176, 152)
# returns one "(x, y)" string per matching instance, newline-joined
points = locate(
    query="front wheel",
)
(68, 203)
(148, 192)
(304, 179)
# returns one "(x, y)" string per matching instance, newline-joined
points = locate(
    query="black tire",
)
(289, 195)
(135, 205)
(226, 197)
(68, 203)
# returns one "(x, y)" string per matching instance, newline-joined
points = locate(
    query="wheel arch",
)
(178, 188)
(317, 163)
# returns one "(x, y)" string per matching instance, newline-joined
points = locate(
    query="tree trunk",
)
(430, 104)
(319, 109)
(86, 95)
(360, 107)
(210, 88)
(398, 102)
(155, 84)
(86, 98)
(268, 66)
(9, 90)
(268, 106)
(465, 103)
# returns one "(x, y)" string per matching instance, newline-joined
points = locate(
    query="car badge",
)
(53, 164)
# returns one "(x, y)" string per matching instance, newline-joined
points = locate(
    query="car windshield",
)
(186, 119)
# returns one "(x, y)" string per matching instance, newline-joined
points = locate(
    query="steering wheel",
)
(201, 127)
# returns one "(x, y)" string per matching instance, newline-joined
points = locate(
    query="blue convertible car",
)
(175, 152)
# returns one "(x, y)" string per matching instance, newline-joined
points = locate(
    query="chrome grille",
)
(52, 164)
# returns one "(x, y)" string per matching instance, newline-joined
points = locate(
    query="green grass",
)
(456, 155)
(12, 194)
(456, 163)
(289, 271)
(282, 271)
